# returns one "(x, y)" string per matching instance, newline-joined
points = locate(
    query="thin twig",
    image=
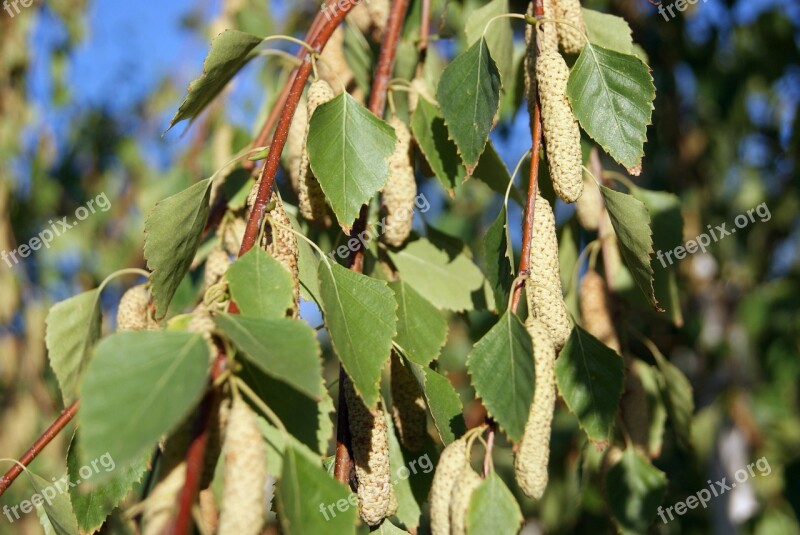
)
(55, 428)
(377, 104)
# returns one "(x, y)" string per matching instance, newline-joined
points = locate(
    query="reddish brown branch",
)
(343, 464)
(55, 428)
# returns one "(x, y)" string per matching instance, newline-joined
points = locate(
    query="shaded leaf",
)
(610, 32)
(634, 488)
(172, 233)
(499, 35)
(432, 137)
(446, 279)
(360, 316)
(421, 328)
(501, 368)
(348, 149)
(230, 51)
(631, 224)
(284, 348)
(408, 509)
(260, 285)
(305, 487)
(73, 328)
(139, 386)
(612, 96)
(493, 172)
(443, 402)
(469, 95)
(590, 376)
(499, 255)
(55, 514)
(678, 398)
(493, 509)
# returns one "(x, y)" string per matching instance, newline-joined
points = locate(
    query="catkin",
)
(309, 193)
(570, 35)
(561, 133)
(370, 443)
(596, 310)
(548, 33)
(233, 234)
(589, 205)
(465, 486)
(379, 15)
(244, 480)
(408, 406)
(280, 241)
(451, 464)
(217, 264)
(333, 66)
(295, 144)
(132, 314)
(401, 188)
(543, 289)
(530, 462)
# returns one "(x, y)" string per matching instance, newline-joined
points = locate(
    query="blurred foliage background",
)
(87, 88)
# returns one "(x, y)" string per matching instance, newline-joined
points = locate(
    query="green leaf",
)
(286, 349)
(360, 316)
(308, 421)
(307, 264)
(446, 279)
(678, 398)
(612, 96)
(93, 503)
(493, 509)
(652, 414)
(443, 402)
(497, 250)
(172, 234)
(276, 440)
(408, 509)
(667, 224)
(631, 224)
(260, 286)
(499, 35)
(73, 328)
(493, 172)
(139, 386)
(230, 51)
(608, 31)
(304, 495)
(55, 513)
(432, 137)
(501, 368)
(348, 149)
(387, 528)
(589, 377)
(635, 489)
(469, 95)
(421, 328)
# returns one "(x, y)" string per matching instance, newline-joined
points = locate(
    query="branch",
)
(55, 428)
(343, 464)
(282, 129)
(535, 7)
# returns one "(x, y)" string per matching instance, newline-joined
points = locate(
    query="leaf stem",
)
(519, 16)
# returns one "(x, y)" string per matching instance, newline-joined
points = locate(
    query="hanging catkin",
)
(590, 204)
(132, 313)
(561, 134)
(370, 444)
(570, 35)
(379, 15)
(543, 288)
(401, 188)
(279, 240)
(548, 33)
(451, 464)
(217, 264)
(295, 144)
(596, 310)
(309, 193)
(233, 234)
(408, 406)
(465, 486)
(530, 462)
(333, 66)
(245, 476)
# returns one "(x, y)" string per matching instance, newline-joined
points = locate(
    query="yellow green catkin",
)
(279, 240)
(590, 204)
(530, 461)
(570, 35)
(596, 310)
(370, 446)
(451, 464)
(401, 188)
(561, 134)
(547, 31)
(132, 313)
(295, 144)
(408, 406)
(233, 234)
(242, 511)
(217, 264)
(332, 64)
(309, 193)
(462, 492)
(543, 288)
(379, 15)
